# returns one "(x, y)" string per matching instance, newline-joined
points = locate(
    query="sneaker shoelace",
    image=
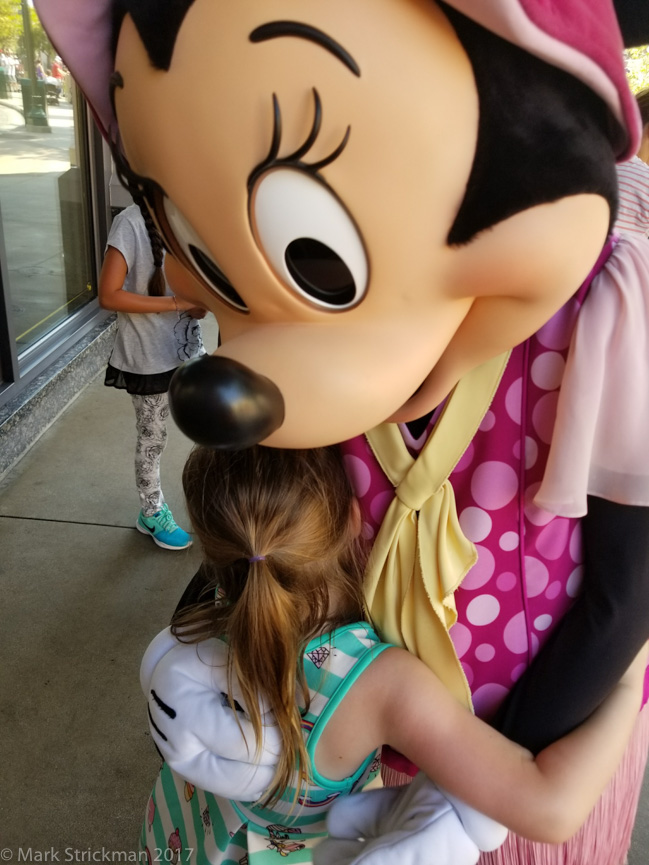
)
(166, 519)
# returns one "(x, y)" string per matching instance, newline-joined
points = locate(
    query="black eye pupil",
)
(320, 272)
(216, 277)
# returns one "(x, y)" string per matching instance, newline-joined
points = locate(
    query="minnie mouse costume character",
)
(380, 205)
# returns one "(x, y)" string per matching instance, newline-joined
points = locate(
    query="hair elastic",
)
(257, 559)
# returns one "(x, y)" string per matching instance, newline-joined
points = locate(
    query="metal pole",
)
(34, 114)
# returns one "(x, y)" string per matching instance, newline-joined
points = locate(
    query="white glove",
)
(413, 825)
(193, 724)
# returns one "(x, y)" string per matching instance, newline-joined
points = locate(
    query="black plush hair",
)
(542, 134)
(157, 23)
(633, 16)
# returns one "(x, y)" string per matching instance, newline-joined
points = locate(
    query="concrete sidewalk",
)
(82, 593)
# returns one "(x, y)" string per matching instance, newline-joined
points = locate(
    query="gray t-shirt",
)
(147, 343)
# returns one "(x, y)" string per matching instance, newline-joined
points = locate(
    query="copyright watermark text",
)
(72, 854)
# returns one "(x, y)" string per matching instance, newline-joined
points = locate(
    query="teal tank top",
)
(188, 826)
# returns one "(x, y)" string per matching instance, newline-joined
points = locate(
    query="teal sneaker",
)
(163, 530)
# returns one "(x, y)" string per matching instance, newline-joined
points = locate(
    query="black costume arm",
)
(596, 640)
(633, 17)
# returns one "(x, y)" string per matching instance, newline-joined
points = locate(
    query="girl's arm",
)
(112, 294)
(400, 702)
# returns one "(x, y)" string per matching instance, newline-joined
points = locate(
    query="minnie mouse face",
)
(305, 164)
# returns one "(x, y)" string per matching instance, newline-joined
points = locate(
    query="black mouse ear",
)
(158, 30)
(633, 16)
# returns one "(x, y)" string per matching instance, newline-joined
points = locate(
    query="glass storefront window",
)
(44, 196)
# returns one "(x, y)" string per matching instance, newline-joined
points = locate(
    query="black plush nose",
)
(220, 403)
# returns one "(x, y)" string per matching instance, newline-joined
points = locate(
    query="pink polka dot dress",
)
(529, 564)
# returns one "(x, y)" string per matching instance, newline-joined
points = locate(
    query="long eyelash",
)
(316, 166)
(277, 134)
(295, 158)
(315, 129)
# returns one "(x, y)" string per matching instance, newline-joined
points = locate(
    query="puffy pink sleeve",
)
(600, 444)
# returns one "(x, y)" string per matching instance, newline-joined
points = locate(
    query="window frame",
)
(19, 371)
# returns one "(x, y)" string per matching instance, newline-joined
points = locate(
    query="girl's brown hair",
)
(290, 512)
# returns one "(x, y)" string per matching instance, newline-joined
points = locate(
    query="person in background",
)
(56, 68)
(633, 181)
(12, 71)
(156, 332)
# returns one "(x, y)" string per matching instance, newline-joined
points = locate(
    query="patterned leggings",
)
(151, 413)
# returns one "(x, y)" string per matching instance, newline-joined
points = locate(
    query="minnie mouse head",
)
(372, 201)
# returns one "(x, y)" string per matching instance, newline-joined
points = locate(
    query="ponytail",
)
(279, 545)
(262, 638)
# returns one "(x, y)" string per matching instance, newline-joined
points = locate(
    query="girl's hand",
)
(197, 312)
(190, 307)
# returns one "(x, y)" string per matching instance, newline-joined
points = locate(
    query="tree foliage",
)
(41, 43)
(636, 62)
(11, 30)
(11, 24)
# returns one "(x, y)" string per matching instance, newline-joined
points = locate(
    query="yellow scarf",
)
(421, 555)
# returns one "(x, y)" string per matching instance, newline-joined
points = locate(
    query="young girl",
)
(313, 693)
(156, 333)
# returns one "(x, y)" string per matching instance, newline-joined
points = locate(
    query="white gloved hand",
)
(413, 825)
(194, 726)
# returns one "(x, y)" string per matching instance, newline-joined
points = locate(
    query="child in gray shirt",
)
(157, 332)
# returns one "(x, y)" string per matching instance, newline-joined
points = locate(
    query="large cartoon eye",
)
(309, 238)
(194, 250)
